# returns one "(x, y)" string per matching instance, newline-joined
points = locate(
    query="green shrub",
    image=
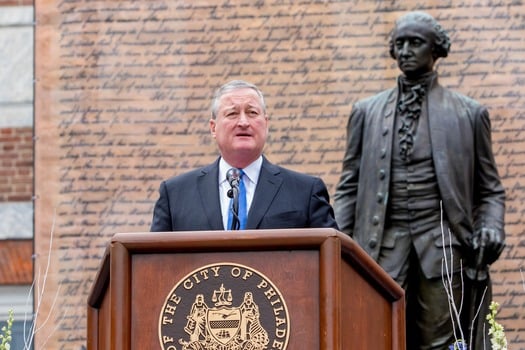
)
(5, 336)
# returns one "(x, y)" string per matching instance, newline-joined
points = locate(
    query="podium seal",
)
(224, 306)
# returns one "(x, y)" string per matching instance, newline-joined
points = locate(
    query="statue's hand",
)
(488, 244)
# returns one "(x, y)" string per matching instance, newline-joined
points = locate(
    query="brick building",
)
(16, 165)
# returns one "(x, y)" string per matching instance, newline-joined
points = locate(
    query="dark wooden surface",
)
(337, 297)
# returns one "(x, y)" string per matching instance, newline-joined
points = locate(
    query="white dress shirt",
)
(250, 178)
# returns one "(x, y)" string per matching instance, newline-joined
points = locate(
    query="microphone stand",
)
(235, 225)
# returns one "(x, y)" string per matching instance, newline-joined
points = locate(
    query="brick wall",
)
(16, 164)
(16, 119)
(16, 3)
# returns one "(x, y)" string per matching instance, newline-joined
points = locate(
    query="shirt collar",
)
(252, 171)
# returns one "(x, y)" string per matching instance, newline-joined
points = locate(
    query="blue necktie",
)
(242, 214)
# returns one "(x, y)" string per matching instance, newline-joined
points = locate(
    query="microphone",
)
(234, 177)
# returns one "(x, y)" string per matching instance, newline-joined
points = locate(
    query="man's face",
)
(413, 43)
(240, 127)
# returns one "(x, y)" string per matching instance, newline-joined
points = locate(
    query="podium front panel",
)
(155, 276)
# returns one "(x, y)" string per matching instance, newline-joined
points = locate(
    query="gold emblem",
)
(224, 306)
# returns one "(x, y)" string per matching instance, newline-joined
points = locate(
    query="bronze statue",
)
(420, 191)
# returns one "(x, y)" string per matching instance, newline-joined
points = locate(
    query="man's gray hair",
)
(441, 43)
(230, 86)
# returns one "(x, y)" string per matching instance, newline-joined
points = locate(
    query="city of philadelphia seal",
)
(224, 306)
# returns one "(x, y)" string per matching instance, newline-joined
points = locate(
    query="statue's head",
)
(417, 41)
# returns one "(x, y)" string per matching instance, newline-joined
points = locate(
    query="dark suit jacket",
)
(468, 181)
(282, 199)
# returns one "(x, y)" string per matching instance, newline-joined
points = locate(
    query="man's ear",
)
(213, 124)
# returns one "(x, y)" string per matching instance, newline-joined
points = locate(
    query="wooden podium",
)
(311, 288)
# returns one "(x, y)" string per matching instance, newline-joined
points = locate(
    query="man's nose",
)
(243, 119)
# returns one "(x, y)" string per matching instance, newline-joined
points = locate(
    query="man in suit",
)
(276, 197)
(419, 188)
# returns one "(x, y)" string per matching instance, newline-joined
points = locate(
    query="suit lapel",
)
(438, 129)
(270, 180)
(208, 187)
(389, 114)
(442, 123)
